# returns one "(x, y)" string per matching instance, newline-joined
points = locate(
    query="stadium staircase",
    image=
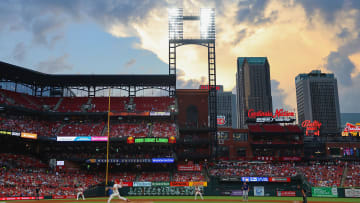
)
(150, 131)
(104, 131)
(87, 106)
(58, 104)
(30, 101)
(344, 175)
(8, 99)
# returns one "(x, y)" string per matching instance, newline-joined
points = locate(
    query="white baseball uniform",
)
(116, 193)
(80, 192)
(198, 192)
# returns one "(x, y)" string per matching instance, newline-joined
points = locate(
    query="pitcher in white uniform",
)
(116, 191)
(198, 192)
(80, 192)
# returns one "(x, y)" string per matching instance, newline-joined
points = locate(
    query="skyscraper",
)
(317, 99)
(226, 107)
(253, 87)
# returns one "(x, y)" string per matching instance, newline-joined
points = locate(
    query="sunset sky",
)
(131, 37)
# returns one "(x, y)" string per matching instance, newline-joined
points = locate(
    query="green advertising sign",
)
(160, 184)
(151, 140)
(324, 192)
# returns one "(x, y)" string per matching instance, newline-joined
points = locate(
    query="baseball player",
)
(80, 192)
(116, 191)
(245, 189)
(198, 192)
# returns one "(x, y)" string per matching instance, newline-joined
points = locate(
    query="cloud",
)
(253, 11)
(341, 66)
(130, 63)
(278, 96)
(182, 83)
(19, 52)
(55, 65)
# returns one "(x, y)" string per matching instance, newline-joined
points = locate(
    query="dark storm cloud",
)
(341, 66)
(252, 11)
(278, 96)
(55, 65)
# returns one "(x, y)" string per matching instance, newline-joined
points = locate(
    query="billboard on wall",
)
(324, 192)
(351, 129)
(311, 127)
(280, 116)
(259, 191)
(352, 192)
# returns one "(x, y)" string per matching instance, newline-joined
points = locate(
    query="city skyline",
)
(130, 37)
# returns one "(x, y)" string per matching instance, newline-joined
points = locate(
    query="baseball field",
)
(212, 199)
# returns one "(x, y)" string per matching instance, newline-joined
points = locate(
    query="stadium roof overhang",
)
(23, 75)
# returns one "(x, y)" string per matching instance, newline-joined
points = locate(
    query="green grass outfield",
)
(213, 199)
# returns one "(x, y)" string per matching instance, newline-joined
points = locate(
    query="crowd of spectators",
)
(154, 176)
(353, 175)
(82, 129)
(325, 175)
(244, 169)
(188, 177)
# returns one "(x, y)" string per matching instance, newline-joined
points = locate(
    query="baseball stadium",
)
(138, 138)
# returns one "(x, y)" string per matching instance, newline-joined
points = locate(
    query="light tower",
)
(206, 38)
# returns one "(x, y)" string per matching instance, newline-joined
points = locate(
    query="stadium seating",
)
(82, 129)
(353, 175)
(154, 176)
(72, 104)
(322, 175)
(228, 168)
(43, 128)
(129, 129)
(163, 129)
(188, 177)
(18, 99)
(153, 103)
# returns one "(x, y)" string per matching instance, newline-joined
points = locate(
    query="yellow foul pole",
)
(108, 140)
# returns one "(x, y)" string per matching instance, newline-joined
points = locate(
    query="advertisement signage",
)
(141, 184)
(151, 140)
(179, 184)
(29, 135)
(324, 192)
(236, 193)
(152, 113)
(81, 138)
(127, 184)
(99, 138)
(19, 198)
(351, 129)
(63, 196)
(194, 167)
(3, 132)
(279, 179)
(289, 158)
(17, 134)
(278, 113)
(286, 193)
(198, 184)
(162, 160)
(311, 128)
(221, 120)
(160, 184)
(352, 192)
(259, 191)
(264, 158)
(255, 179)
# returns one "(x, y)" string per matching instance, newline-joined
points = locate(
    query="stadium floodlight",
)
(175, 17)
(207, 23)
